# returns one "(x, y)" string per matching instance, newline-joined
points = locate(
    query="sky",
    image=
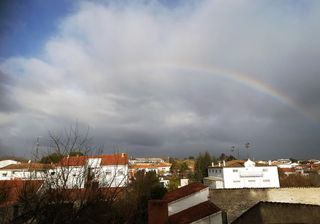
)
(162, 78)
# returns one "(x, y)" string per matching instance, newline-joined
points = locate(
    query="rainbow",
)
(240, 78)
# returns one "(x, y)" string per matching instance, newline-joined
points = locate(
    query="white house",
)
(74, 171)
(104, 170)
(240, 174)
(7, 162)
(24, 171)
(161, 169)
(188, 204)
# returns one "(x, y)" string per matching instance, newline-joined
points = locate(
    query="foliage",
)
(173, 183)
(293, 160)
(201, 166)
(51, 158)
(133, 206)
(224, 157)
(76, 153)
(296, 180)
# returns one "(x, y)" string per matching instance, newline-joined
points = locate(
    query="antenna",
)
(37, 147)
(232, 149)
(247, 145)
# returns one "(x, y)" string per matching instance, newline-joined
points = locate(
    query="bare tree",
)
(75, 189)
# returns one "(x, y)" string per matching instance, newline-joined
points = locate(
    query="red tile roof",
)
(113, 159)
(287, 170)
(10, 190)
(150, 165)
(183, 191)
(194, 213)
(28, 166)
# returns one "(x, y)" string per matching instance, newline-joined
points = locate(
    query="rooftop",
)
(27, 166)
(237, 163)
(113, 159)
(10, 190)
(194, 213)
(183, 192)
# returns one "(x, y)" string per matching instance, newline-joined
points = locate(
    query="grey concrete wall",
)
(237, 201)
(281, 213)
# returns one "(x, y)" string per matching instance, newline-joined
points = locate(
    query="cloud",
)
(144, 76)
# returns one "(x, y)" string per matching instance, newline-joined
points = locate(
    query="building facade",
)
(240, 174)
(74, 171)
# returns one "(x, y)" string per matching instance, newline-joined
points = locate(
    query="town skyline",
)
(162, 78)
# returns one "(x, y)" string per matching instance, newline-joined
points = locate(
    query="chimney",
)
(224, 163)
(157, 212)
(269, 162)
(212, 164)
(219, 164)
(29, 161)
(122, 155)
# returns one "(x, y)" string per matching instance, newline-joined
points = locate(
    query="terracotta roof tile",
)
(287, 169)
(28, 166)
(113, 159)
(149, 165)
(183, 191)
(194, 213)
(10, 190)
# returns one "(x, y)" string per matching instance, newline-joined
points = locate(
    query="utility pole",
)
(232, 150)
(247, 145)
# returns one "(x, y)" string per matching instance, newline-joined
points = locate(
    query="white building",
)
(188, 204)
(103, 170)
(240, 174)
(161, 169)
(8, 162)
(24, 171)
(74, 171)
(146, 160)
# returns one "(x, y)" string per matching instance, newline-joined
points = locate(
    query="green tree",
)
(183, 169)
(51, 158)
(133, 206)
(173, 183)
(201, 165)
(76, 153)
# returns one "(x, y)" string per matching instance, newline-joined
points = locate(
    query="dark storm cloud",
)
(151, 83)
(7, 102)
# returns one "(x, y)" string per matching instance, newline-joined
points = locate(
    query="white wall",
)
(215, 218)
(20, 174)
(107, 176)
(188, 201)
(251, 177)
(215, 172)
(74, 176)
(113, 175)
(8, 162)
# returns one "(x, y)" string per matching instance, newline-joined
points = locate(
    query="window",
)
(251, 181)
(108, 172)
(53, 173)
(219, 171)
(236, 181)
(267, 180)
(265, 170)
(4, 174)
(120, 172)
(235, 170)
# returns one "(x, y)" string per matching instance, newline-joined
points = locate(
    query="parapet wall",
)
(236, 201)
